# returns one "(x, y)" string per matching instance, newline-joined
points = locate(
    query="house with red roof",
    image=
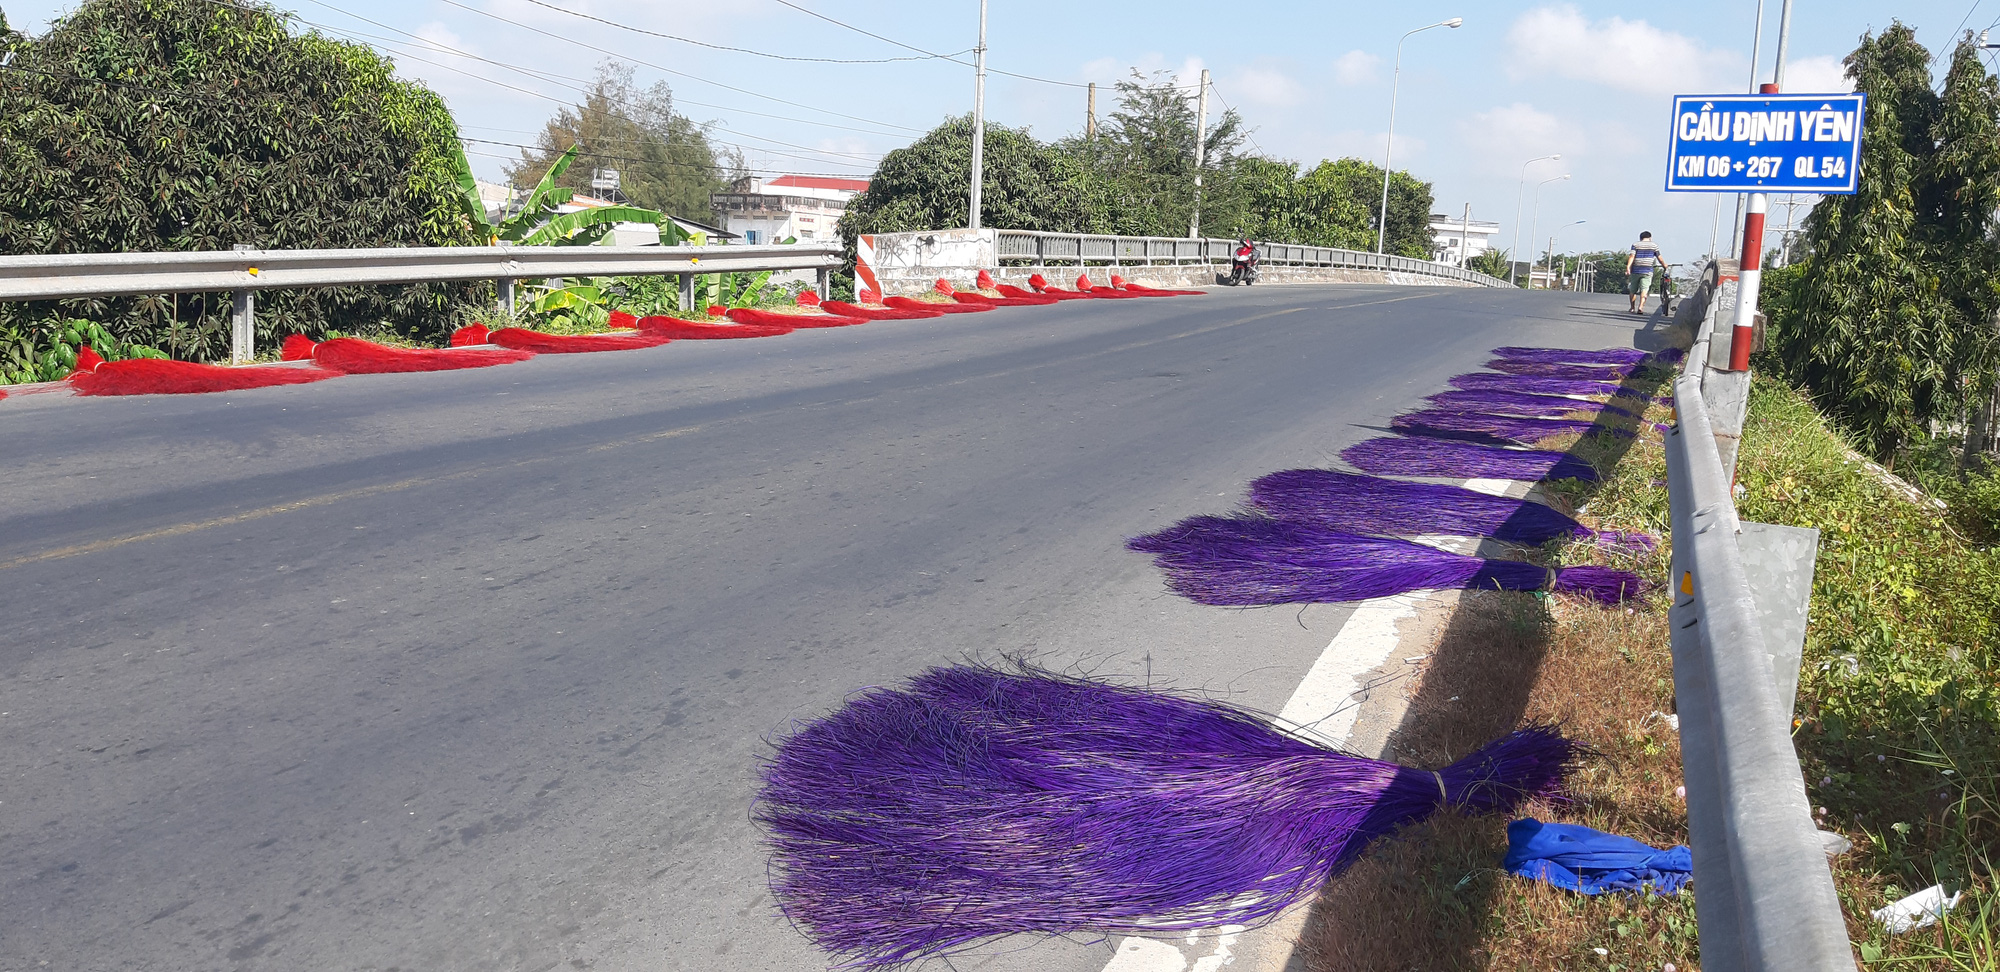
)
(771, 210)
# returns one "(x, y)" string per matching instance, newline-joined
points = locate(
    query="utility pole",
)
(1200, 143)
(1464, 236)
(978, 115)
(1090, 113)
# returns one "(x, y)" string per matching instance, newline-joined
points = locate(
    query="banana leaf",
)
(565, 229)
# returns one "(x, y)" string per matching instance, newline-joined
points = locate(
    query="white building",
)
(1448, 231)
(770, 210)
(504, 201)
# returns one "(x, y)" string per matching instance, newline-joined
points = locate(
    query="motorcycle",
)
(1243, 268)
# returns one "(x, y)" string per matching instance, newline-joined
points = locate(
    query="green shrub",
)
(136, 125)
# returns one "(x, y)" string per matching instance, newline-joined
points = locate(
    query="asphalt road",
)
(473, 670)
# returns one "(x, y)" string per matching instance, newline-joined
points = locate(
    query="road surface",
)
(473, 670)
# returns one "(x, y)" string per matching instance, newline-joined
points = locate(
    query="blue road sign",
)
(1766, 143)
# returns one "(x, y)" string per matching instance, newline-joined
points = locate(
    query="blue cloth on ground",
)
(1591, 861)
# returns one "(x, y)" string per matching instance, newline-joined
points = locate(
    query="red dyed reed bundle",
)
(1243, 561)
(878, 313)
(1451, 424)
(1426, 456)
(158, 376)
(622, 321)
(1041, 285)
(750, 315)
(680, 329)
(522, 339)
(357, 357)
(911, 303)
(921, 821)
(1035, 300)
(1084, 286)
(469, 335)
(1144, 290)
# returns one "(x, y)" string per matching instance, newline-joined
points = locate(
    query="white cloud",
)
(1630, 55)
(1264, 86)
(1505, 137)
(1817, 75)
(1355, 67)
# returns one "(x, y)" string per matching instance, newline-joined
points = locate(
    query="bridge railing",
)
(244, 271)
(1039, 249)
(1766, 899)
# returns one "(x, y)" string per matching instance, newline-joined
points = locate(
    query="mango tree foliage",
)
(135, 125)
(1889, 319)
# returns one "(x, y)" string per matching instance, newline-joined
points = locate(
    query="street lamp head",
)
(1556, 158)
(1455, 22)
(1565, 177)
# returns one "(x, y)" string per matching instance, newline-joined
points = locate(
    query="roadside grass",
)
(1898, 735)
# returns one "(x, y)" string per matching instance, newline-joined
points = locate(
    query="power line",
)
(638, 161)
(658, 67)
(740, 50)
(573, 83)
(576, 83)
(953, 58)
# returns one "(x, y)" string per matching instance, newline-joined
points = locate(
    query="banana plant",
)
(540, 224)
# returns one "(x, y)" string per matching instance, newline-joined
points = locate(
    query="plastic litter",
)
(1834, 844)
(1920, 910)
(1589, 861)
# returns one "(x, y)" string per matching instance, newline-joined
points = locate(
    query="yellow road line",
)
(324, 499)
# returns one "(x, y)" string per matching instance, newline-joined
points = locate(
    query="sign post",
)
(1757, 144)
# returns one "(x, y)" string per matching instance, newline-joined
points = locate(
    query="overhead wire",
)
(575, 84)
(954, 58)
(657, 67)
(741, 50)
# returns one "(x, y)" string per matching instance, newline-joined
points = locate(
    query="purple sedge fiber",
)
(921, 821)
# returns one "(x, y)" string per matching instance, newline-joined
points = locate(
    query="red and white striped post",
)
(1749, 273)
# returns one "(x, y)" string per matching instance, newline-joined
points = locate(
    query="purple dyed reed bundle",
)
(1427, 456)
(1243, 561)
(1574, 372)
(1454, 424)
(1604, 356)
(921, 821)
(1488, 381)
(1349, 503)
(1523, 404)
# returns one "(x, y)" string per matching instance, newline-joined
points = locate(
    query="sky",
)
(1312, 80)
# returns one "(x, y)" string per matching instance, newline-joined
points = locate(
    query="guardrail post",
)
(507, 295)
(243, 323)
(687, 291)
(825, 283)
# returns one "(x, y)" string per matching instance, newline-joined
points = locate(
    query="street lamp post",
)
(1552, 249)
(978, 119)
(1536, 220)
(1388, 147)
(1520, 195)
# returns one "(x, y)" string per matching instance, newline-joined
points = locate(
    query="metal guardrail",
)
(245, 271)
(1765, 896)
(1066, 249)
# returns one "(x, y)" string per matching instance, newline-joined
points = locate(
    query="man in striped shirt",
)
(1639, 266)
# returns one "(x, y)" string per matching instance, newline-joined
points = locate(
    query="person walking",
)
(1640, 264)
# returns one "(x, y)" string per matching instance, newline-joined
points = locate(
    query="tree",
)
(664, 160)
(1492, 263)
(135, 125)
(1146, 154)
(1890, 322)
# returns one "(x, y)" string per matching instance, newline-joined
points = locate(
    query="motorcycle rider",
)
(1245, 267)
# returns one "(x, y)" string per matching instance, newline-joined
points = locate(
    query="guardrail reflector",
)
(1687, 582)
